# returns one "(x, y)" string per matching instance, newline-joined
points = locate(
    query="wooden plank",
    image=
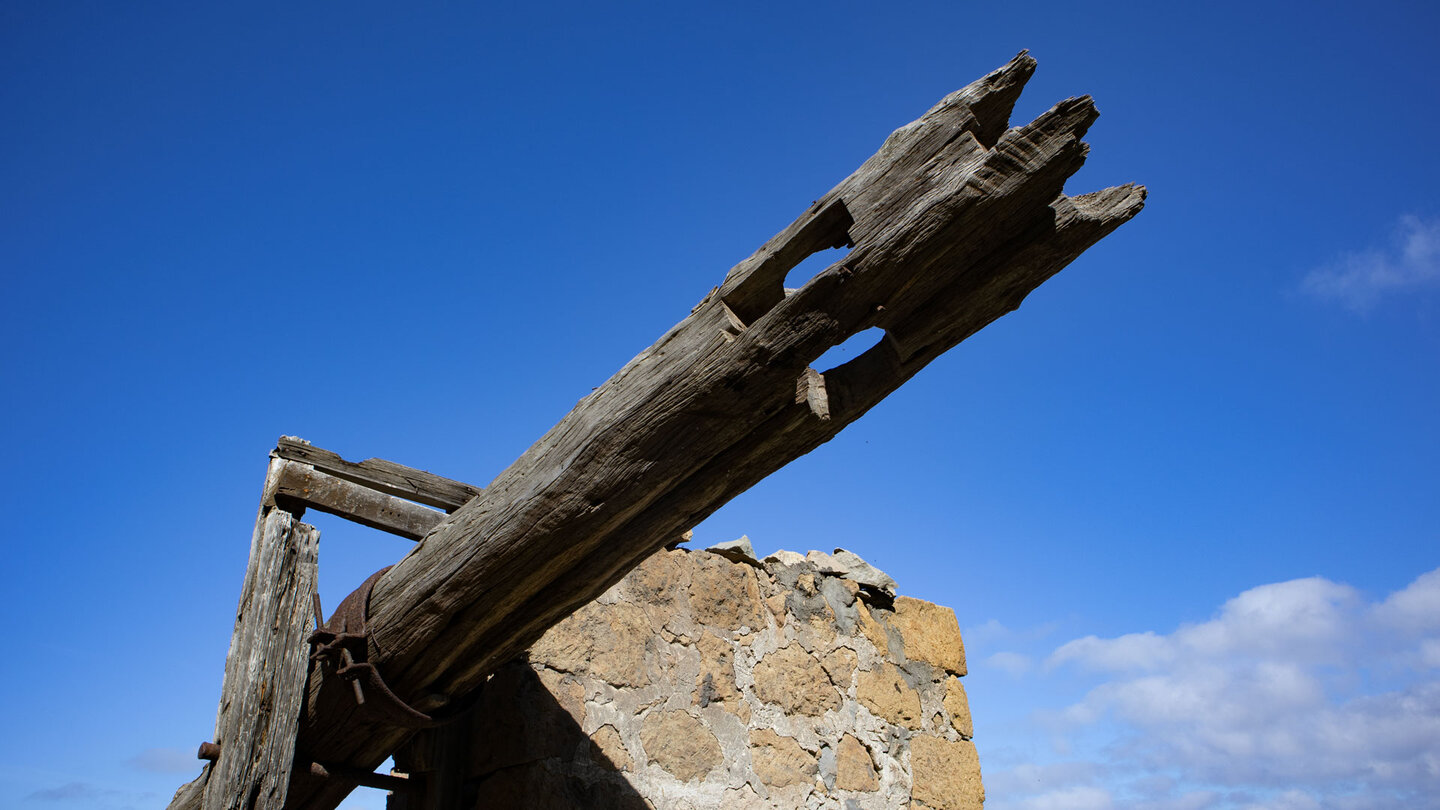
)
(954, 221)
(281, 569)
(266, 666)
(304, 485)
(381, 475)
(265, 670)
(436, 759)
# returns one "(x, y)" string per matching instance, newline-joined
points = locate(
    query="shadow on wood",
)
(532, 755)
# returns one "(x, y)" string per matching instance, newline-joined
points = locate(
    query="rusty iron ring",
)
(342, 644)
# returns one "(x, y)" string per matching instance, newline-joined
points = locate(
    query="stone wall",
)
(708, 679)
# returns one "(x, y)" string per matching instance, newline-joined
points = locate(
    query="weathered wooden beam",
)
(277, 584)
(954, 221)
(436, 759)
(381, 475)
(303, 485)
(265, 668)
(364, 778)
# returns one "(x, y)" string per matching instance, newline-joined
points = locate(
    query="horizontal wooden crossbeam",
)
(380, 475)
(301, 486)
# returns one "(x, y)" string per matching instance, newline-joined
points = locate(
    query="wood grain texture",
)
(437, 759)
(303, 485)
(265, 669)
(954, 221)
(381, 475)
(191, 795)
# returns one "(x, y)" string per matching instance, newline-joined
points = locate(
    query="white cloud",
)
(986, 633)
(1194, 800)
(1303, 620)
(1288, 800)
(1299, 694)
(1010, 662)
(993, 632)
(1359, 280)
(1133, 651)
(982, 641)
(1430, 653)
(1415, 608)
(1032, 778)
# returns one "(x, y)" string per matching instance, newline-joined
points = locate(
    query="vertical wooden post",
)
(265, 668)
(436, 760)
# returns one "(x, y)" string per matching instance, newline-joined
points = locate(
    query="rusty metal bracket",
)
(342, 644)
(399, 784)
(364, 778)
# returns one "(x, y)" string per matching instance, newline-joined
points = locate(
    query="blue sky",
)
(1183, 501)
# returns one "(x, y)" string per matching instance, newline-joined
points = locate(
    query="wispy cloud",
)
(1011, 662)
(70, 791)
(981, 639)
(1079, 797)
(86, 794)
(165, 760)
(1359, 280)
(1298, 694)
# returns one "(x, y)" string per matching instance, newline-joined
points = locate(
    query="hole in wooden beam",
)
(848, 349)
(811, 265)
(757, 284)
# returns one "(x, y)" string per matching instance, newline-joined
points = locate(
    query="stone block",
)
(854, 769)
(550, 785)
(606, 641)
(523, 722)
(931, 634)
(958, 706)
(885, 692)
(852, 567)
(660, 579)
(873, 628)
(680, 744)
(609, 750)
(739, 550)
(776, 605)
(567, 692)
(780, 761)
(946, 775)
(724, 594)
(715, 682)
(794, 680)
(840, 664)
